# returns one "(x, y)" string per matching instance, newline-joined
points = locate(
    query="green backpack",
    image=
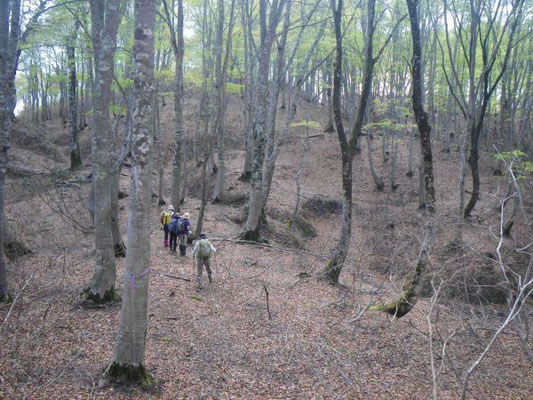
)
(204, 248)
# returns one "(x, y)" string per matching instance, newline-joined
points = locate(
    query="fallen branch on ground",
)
(171, 276)
(24, 170)
(15, 301)
(267, 302)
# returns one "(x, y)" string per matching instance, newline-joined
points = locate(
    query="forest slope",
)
(321, 341)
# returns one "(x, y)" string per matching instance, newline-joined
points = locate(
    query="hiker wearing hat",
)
(202, 251)
(183, 232)
(165, 222)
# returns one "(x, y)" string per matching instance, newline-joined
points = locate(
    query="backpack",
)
(182, 228)
(173, 227)
(166, 218)
(204, 248)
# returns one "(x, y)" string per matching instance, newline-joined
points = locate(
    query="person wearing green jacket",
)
(203, 251)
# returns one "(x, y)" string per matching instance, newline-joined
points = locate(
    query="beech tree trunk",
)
(81, 110)
(205, 184)
(348, 146)
(9, 39)
(159, 145)
(75, 155)
(411, 290)
(129, 354)
(380, 185)
(178, 48)
(334, 267)
(4, 132)
(221, 111)
(105, 21)
(275, 142)
(331, 123)
(248, 104)
(218, 127)
(255, 204)
(62, 112)
(119, 249)
(421, 117)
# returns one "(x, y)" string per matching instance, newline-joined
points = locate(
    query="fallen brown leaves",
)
(219, 343)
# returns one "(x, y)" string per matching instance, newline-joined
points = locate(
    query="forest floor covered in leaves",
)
(319, 341)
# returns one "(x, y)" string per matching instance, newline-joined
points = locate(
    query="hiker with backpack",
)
(165, 222)
(184, 227)
(202, 252)
(173, 230)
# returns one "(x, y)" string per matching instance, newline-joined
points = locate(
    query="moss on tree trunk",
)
(129, 373)
(251, 235)
(407, 300)
(120, 249)
(331, 273)
(109, 296)
(14, 249)
(6, 299)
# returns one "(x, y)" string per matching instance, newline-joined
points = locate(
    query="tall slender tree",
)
(128, 359)
(487, 30)
(221, 81)
(105, 17)
(267, 34)
(9, 37)
(247, 79)
(178, 48)
(75, 155)
(336, 262)
(411, 289)
(348, 145)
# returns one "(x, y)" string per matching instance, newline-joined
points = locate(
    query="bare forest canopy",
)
(364, 169)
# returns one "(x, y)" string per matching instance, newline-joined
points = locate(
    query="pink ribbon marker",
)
(132, 278)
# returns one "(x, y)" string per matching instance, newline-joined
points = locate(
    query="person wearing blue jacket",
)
(184, 227)
(173, 230)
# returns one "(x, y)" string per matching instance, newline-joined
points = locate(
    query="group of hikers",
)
(177, 229)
